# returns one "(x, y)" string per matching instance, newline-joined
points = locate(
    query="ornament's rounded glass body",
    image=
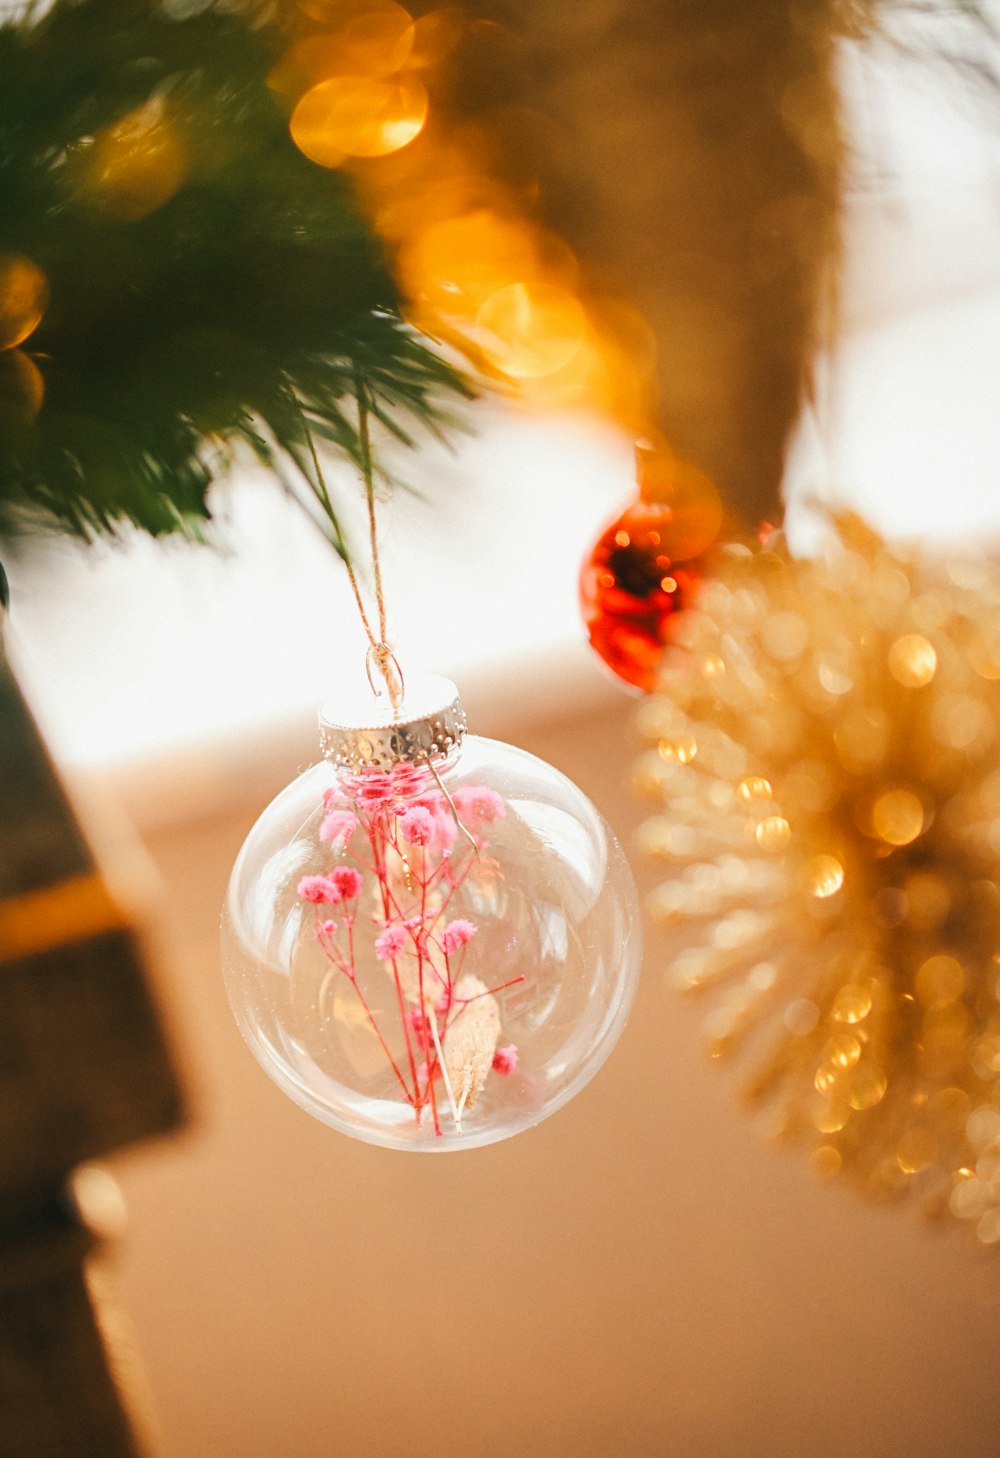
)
(435, 954)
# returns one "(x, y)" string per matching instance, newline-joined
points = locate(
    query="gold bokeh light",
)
(773, 833)
(436, 35)
(456, 263)
(358, 116)
(22, 389)
(531, 329)
(375, 43)
(133, 167)
(690, 497)
(897, 817)
(477, 268)
(939, 981)
(24, 297)
(824, 876)
(912, 660)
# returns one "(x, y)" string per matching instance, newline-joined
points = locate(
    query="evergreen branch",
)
(234, 309)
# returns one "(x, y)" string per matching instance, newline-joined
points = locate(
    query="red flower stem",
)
(442, 869)
(380, 871)
(405, 1024)
(451, 986)
(330, 949)
(333, 954)
(382, 874)
(410, 1099)
(420, 984)
(430, 1087)
(456, 883)
(346, 965)
(490, 991)
(450, 1012)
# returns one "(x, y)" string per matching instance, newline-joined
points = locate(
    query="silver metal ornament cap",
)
(367, 734)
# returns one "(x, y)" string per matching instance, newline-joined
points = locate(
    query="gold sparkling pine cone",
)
(826, 766)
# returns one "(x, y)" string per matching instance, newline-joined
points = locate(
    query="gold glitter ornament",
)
(825, 758)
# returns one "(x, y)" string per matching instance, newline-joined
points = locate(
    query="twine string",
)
(379, 650)
(380, 655)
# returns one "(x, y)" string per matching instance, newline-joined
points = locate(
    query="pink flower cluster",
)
(374, 790)
(456, 934)
(390, 943)
(343, 883)
(505, 1059)
(478, 805)
(417, 825)
(338, 827)
(425, 815)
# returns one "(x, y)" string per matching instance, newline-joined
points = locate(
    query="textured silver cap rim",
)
(368, 735)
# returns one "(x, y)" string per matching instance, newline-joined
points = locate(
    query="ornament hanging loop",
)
(380, 656)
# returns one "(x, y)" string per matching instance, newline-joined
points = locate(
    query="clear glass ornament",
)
(431, 940)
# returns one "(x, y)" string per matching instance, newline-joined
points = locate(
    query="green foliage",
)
(250, 305)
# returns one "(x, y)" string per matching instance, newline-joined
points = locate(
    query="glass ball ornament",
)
(646, 565)
(431, 940)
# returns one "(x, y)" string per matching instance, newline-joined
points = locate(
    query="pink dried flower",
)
(505, 1059)
(390, 943)
(430, 800)
(326, 928)
(418, 1021)
(333, 799)
(319, 890)
(417, 825)
(339, 826)
(408, 778)
(445, 828)
(347, 881)
(445, 833)
(374, 790)
(456, 934)
(477, 803)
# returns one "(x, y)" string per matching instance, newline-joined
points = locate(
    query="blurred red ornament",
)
(630, 590)
(646, 565)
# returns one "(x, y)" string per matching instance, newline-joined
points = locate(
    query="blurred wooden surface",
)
(57, 1396)
(84, 1070)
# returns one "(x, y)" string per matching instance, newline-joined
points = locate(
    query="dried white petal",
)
(471, 1041)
